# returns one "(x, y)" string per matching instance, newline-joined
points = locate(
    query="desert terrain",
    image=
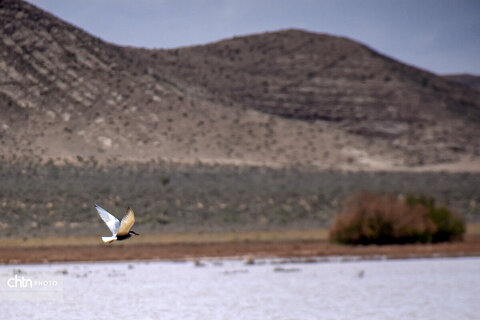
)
(265, 132)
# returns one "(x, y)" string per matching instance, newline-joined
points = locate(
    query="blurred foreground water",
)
(267, 289)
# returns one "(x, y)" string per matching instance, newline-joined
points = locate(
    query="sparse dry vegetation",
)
(57, 199)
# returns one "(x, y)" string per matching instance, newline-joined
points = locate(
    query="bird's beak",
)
(137, 234)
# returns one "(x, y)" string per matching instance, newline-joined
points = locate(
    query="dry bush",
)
(382, 219)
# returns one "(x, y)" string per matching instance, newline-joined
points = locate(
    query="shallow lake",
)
(268, 289)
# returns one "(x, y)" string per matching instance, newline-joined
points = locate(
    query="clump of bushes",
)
(385, 219)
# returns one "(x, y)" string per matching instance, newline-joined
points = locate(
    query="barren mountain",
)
(281, 98)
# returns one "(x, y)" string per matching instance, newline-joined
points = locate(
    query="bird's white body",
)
(109, 239)
(120, 230)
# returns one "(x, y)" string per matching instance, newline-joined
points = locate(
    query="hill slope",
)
(306, 76)
(468, 79)
(279, 98)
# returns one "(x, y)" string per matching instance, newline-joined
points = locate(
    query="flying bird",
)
(120, 230)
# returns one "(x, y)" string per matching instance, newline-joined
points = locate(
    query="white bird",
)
(120, 230)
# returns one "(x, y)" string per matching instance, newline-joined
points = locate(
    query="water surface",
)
(400, 289)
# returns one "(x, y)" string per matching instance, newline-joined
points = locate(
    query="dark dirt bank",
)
(305, 250)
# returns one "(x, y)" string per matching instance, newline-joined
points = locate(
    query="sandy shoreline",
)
(231, 249)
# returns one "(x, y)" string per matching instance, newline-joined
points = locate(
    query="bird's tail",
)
(109, 239)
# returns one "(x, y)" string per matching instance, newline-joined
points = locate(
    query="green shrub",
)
(450, 226)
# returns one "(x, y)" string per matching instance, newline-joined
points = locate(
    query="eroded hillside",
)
(282, 98)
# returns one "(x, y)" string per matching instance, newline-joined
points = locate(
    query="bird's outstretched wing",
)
(127, 222)
(112, 223)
